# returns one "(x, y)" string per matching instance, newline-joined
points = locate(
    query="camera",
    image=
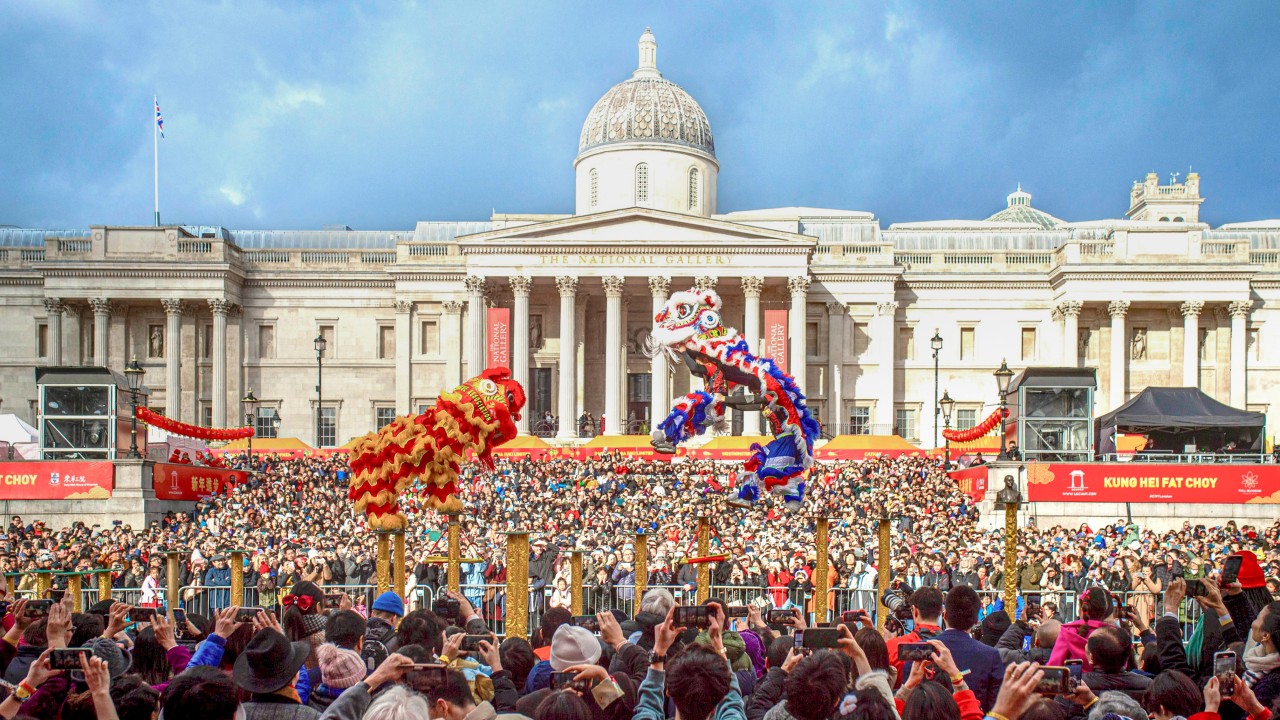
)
(565, 681)
(1056, 681)
(447, 608)
(897, 605)
(587, 622)
(67, 658)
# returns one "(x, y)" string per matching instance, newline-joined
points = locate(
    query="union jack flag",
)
(159, 119)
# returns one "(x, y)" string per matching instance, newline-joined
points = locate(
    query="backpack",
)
(375, 648)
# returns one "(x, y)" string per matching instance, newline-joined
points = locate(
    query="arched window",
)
(693, 188)
(595, 187)
(642, 183)
(1177, 219)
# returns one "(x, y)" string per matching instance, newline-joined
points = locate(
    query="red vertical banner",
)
(775, 337)
(498, 352)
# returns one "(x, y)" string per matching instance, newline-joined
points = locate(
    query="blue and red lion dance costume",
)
(689, 330)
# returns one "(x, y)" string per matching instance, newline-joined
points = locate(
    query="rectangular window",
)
(1028, 344)
(966, 343)
(811, 339)
(206, 415)
(905, 424)
(424, 408)
(384, 416)
(906, 343)
(42, 340)
(429, 338)
(206, 342)
(386, 342)
(267, 423)
(266, 342)
(860, 421)
(965, 419)
(330, 350)
(328, 427)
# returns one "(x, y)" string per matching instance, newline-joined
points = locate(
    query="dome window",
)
(693, 188)
(595, 187)
(642, 183)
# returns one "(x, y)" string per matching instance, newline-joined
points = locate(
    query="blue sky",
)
(380, 114)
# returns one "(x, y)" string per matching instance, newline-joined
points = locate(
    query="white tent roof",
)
(13, 430)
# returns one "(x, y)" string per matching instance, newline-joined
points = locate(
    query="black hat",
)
(269, 662)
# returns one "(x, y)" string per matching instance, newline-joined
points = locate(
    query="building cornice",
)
(693, 248)
(966, 283)
(146, 271)
(321, 281)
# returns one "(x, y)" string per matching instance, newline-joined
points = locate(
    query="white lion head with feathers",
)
(685, 319)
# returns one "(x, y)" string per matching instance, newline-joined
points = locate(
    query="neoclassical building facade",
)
(1153, 298)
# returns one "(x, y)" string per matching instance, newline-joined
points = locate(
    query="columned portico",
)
(566, 406)
(55, 310)
(751, 287)
(220, 309)
(172, 357)
(475, 286)
(1239, 311)
(613, 415)
(1191, 342)
(520, 287)
(1119, 351)
(1070, 310)
(884, 337)
(101, 329)
(797, 324)
(404, 351)
(660, 395)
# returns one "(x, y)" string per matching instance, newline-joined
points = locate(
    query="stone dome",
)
(647, 108)
(1019, 210)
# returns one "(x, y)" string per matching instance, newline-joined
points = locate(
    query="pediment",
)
(635, 226)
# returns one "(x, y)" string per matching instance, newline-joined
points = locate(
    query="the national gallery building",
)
(1154, 298)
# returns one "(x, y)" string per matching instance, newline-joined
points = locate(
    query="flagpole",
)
(155, 142)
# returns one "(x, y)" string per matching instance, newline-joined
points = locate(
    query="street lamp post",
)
(320, 344)
(250, 403)
(133, 374)
(947, 405)
(936, 343)
(1003, 376)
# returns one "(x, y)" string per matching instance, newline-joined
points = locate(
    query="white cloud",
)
(234, 195)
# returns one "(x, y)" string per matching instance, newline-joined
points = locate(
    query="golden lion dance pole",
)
(517, 584)
(882, 560)
(104, 583)
(172, 559)
(642, 567)
(455, 553)
(821, 570)
(400, 566)
(575, 581)
(704, 549)
(74, 588)
(383, 567)
(44, 580)
(237, 578)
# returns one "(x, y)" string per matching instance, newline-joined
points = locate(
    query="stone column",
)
(1191, 342)
(798, 322)
(101, 329)
(1239, 345)
(751, 288)
(450, 330)
(1070, 310)
(568, 395)
(834, 416)
(614, 420)
(173, 357)
(476, 319)
(54, 308)
(520, 287)
(885, 340)
(220, 309)
(404, 354)
(660, 394)
(1119, 351)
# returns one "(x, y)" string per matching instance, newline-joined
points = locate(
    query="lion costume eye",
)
(488, 387)
(684, 311)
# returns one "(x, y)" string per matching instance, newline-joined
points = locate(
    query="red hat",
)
(1250, 572)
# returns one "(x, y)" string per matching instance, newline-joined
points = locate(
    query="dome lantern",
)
(648, 66)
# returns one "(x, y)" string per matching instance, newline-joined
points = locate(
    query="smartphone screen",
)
(915, 652)
(692, 616)
(818, 638)
(67, 658)
(1076, 668)
(1055, 681)
(140, 614)
(1224, 668)
(587, 622)
(247, 614)
(1231, 569)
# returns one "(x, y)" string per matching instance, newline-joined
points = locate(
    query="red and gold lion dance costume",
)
(478, 415)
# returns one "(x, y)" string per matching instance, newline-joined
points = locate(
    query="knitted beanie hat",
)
(339, 669)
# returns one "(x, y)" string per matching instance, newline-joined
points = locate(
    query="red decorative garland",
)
(978, 430)
(173, 427)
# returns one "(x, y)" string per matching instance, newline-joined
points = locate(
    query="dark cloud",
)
(378, 115)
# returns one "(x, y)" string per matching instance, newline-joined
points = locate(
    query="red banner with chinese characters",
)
(1151, 482)
(57, 480)
(775, 338)
(191, 482)
(498, 353)
(972, 481)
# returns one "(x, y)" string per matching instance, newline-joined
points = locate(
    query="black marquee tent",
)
(1175, 418)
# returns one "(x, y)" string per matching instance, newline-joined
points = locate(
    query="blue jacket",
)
(982, 665)
(539, 677)
(218, 578)
(209, 653)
